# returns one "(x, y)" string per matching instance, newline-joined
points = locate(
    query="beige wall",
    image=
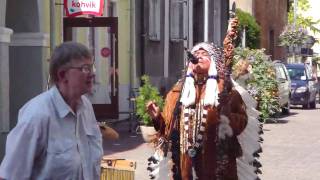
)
(124, 40)
(271, 19)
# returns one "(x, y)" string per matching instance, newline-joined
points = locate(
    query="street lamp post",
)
(294, 13)
(294, 25)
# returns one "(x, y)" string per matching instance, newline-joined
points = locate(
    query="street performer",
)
(202, 120)
(201, 132)
(202, 117)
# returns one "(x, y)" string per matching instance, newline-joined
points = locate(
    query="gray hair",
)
(64, 54)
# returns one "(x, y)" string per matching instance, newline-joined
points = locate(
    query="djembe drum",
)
(117, 169)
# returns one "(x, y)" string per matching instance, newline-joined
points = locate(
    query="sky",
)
(314, 12)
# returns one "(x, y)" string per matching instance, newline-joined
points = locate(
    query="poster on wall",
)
(79, 7)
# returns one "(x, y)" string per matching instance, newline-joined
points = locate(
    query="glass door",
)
(100, 35)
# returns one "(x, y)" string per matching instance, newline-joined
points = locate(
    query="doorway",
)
(100, 34)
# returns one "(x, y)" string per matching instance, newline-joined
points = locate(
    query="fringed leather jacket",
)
(213, 159)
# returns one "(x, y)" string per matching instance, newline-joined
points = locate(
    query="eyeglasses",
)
(86, 68)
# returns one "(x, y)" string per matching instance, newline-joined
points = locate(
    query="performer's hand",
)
(153, 110)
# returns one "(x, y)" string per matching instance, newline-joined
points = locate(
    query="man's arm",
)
(22, 146)
(108, 132)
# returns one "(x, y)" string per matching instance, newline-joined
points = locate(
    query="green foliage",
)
(248, 22)
(301, 20)
(147, 93)
(263, 82)
(316, 60)
(293, 36)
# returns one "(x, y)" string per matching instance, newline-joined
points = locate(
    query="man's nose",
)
(92, 74)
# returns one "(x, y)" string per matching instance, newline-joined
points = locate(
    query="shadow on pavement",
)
(127, 140)
(279, 118)
(276, 121)
(300, 107)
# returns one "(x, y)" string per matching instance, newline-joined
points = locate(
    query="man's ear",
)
(61, 75)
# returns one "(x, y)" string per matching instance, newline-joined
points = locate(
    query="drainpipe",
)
(206, 16)
(131, 51)
(52, 25)
(190, 24)
(142, 38)
(166, 39)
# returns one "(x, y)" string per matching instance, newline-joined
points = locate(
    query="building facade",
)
(169, 26)
(271, 15)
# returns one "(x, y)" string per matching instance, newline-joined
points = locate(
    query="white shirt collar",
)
(62, 107)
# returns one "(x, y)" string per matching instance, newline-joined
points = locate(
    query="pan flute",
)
(117, 169)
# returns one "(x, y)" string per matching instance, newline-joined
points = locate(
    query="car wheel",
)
(306, 106)
(286, 109)
(313, 104)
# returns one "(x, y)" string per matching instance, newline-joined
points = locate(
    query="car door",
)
(311, 84)
(283, 84)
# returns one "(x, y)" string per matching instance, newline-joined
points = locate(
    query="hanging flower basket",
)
(293, 36)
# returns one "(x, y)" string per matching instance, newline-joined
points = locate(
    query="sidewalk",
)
(129, 146)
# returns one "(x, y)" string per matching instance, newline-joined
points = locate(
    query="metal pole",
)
(294, 25)
(52, 25)
(244, 37)
(294, 13)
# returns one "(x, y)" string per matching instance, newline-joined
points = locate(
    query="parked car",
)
(303, 85)
(284, 86)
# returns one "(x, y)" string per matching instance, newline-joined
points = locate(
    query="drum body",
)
(117, 169)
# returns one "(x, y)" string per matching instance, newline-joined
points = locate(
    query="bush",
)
(252, 29)
(147, 92)
(263, 86)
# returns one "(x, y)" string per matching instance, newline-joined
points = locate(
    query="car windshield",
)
(296, 74)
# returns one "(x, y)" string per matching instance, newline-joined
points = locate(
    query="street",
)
(290, 147)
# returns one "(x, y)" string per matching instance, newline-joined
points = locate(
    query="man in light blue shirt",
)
(57, 136)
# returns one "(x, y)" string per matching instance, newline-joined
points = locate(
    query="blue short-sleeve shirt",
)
(50, 141)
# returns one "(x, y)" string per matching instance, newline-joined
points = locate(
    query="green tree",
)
(302, 20)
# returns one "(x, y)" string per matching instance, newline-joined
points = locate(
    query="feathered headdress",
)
(216, 68)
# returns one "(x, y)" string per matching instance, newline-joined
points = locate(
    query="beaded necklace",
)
(194, 123)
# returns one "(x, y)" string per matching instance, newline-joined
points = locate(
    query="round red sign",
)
(105, 52)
